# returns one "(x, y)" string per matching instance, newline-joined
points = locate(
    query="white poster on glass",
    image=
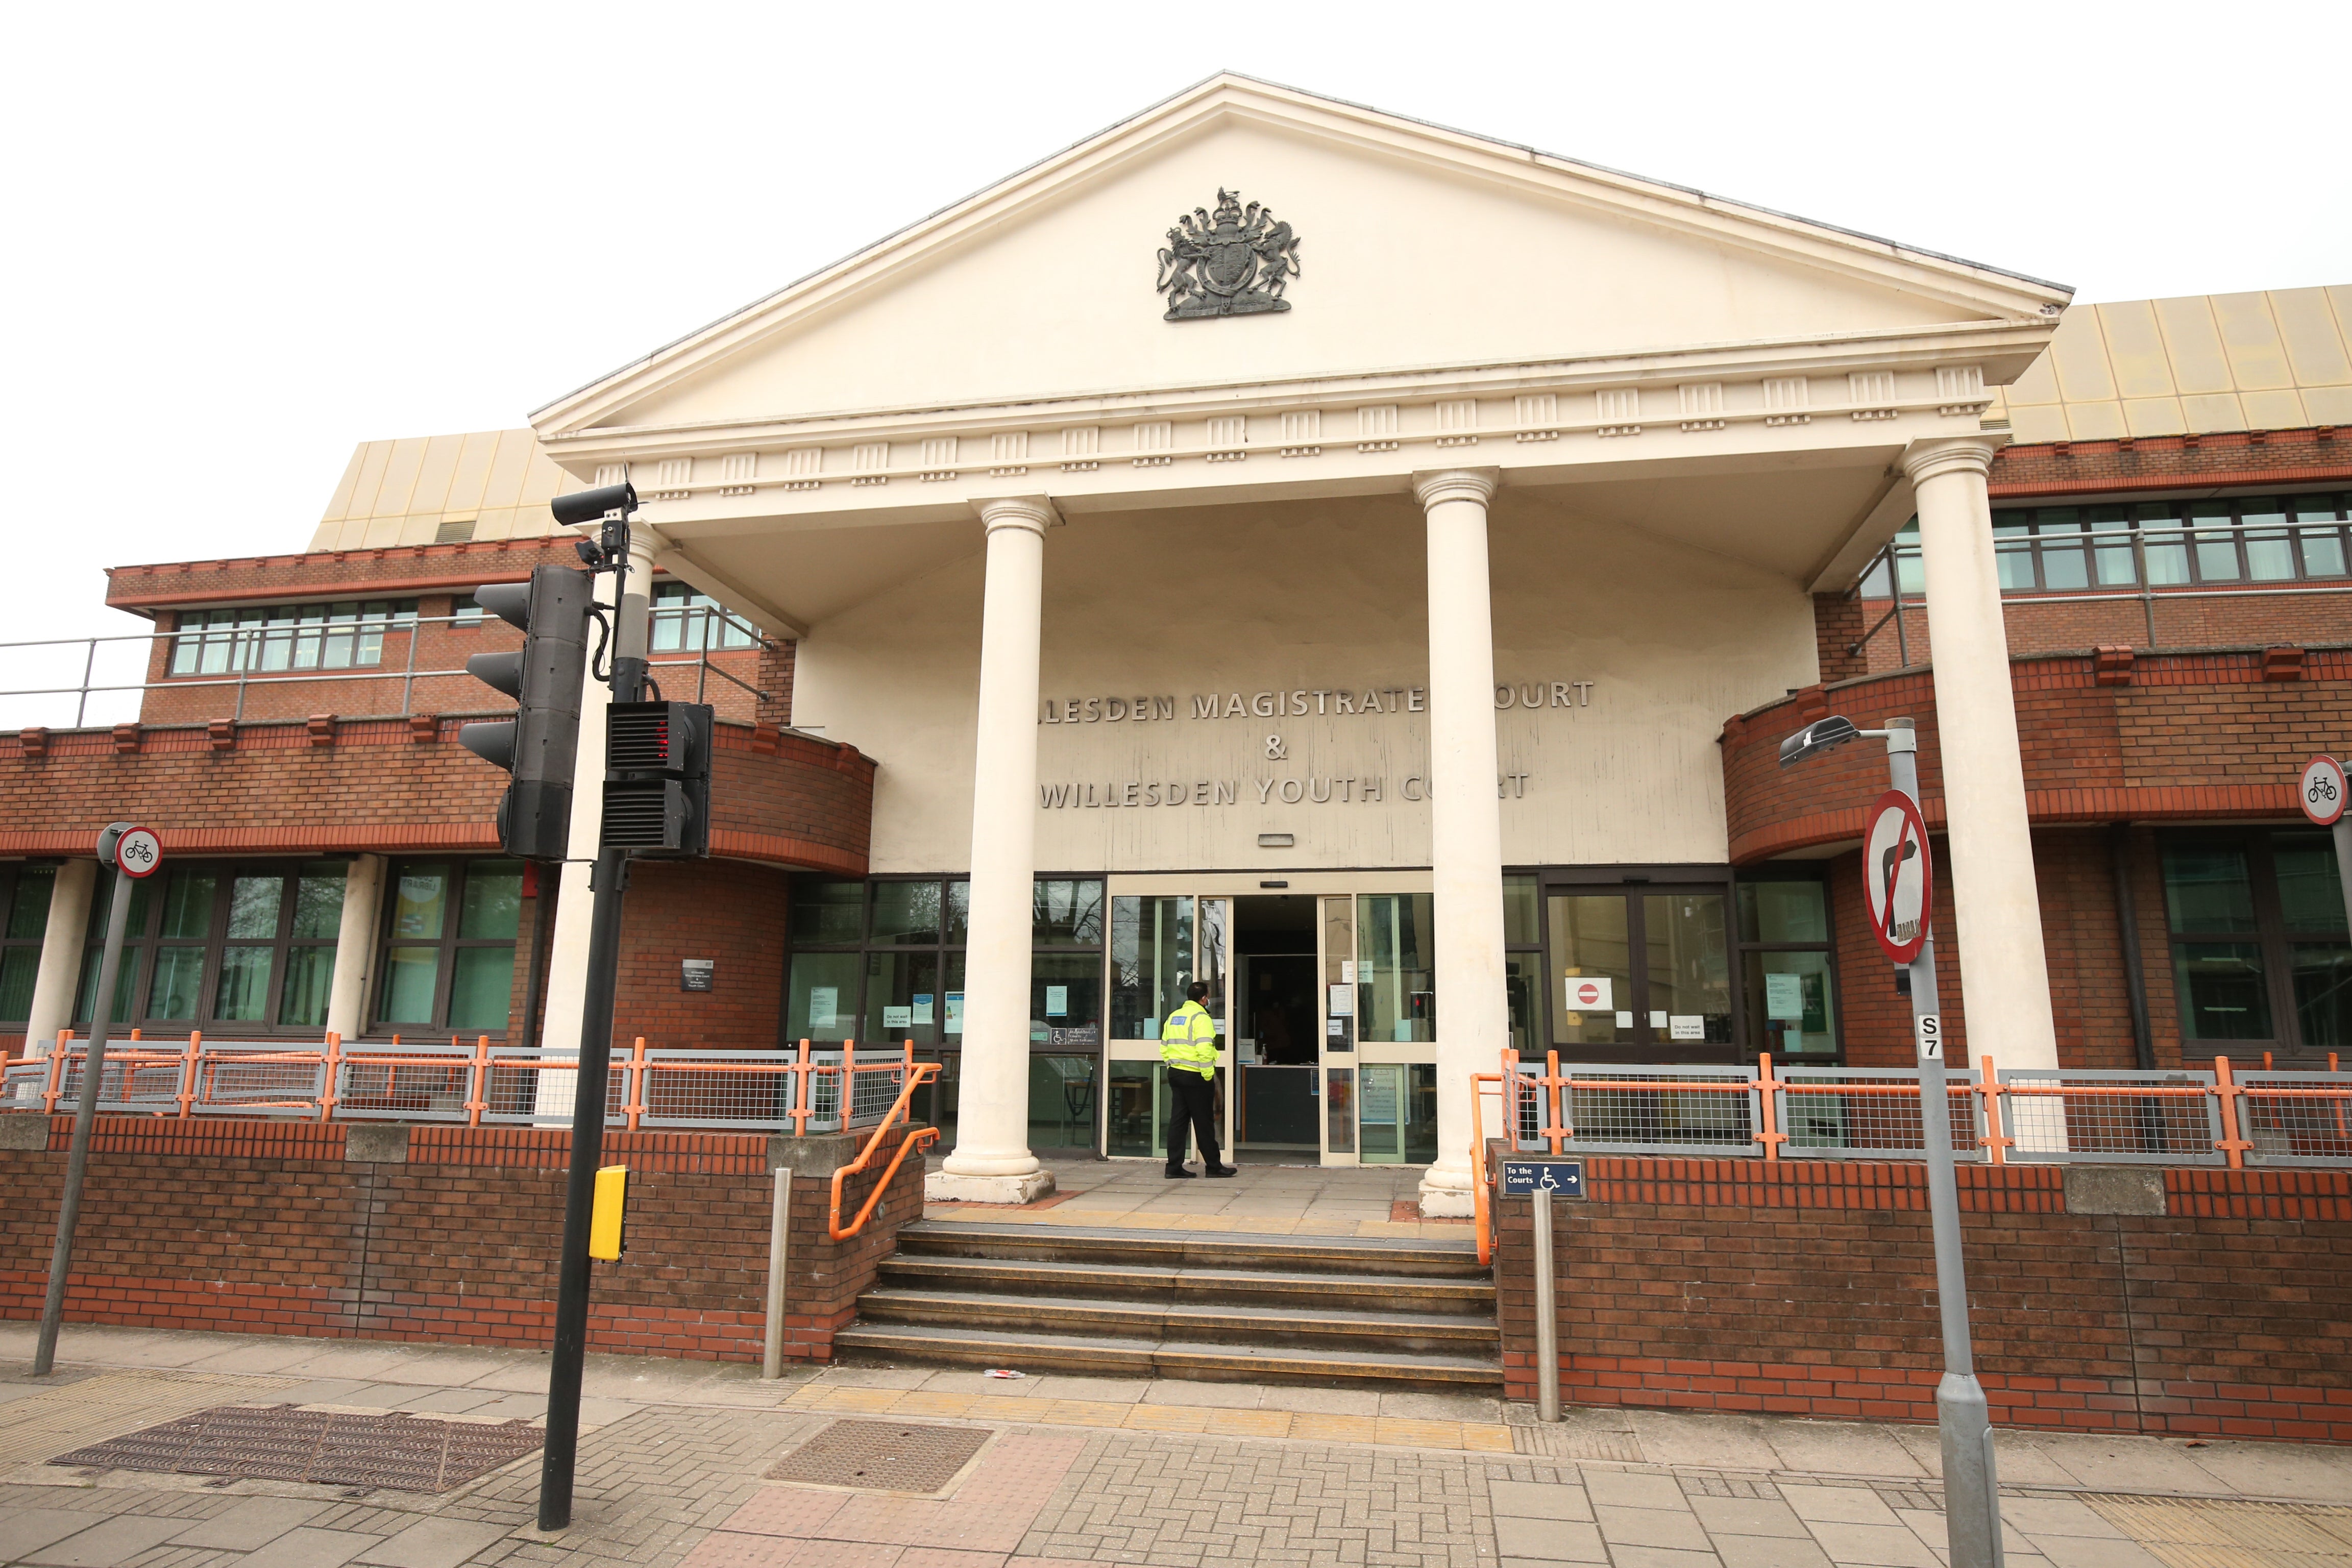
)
(824, 1001)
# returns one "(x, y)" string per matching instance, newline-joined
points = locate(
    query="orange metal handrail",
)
(917, 1074)
(1478, 1159)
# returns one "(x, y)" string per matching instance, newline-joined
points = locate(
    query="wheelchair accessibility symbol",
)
(1561, 1178)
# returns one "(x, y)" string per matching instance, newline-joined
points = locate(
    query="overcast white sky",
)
(248, 237)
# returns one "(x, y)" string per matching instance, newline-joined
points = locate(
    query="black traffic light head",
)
(657, 779)
(594, 506)
(540, 743)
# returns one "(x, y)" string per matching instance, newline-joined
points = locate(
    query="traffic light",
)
(657, 779)
(541, 742)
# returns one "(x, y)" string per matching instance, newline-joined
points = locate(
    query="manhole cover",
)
(882, 1456)
(327, 1447)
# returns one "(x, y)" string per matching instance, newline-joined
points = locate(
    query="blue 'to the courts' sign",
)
(1525, 1178)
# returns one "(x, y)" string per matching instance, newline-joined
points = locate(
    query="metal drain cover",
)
(327, 1448)
(882, 1456)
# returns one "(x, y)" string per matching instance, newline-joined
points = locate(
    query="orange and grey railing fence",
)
(808, 1090)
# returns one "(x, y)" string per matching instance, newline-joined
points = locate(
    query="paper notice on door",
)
(1343, 1002)
(825, 1002)
(954, 1024)
(1058, 1001)
(1378, 1105)
(1657, 1020)
(1686, 1026)
(1335, 1027)
(921, 1009)
(1588, 994)
(1348, 971)
(1624, 1020)
(897, 1017)
(1784, 996)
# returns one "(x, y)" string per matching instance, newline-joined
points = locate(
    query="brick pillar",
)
(1838, 622)
(775, 682)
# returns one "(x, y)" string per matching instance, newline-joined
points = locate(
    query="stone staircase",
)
(1222, 1307)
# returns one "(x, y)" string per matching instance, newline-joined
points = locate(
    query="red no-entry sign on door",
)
(1896, 876)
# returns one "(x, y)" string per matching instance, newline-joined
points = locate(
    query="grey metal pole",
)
(1972, 1489)
(1546, 1313)
(779, 1243)
(93, 1067)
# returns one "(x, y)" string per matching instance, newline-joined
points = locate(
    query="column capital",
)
(1456, 484)
(1924, 461)
(1036, 513)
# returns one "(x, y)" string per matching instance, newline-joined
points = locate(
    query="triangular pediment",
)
(1420, 250)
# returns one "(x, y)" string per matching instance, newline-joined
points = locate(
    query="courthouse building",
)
(1364, 566)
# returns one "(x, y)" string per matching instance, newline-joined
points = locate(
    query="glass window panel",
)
(2013, 549)
(1913, 571)
(482, 990)
(2062, 564)
(1066, 999)
(905, 913)
(2217, 547)
(2166, 554)
(243, 994)
(1061, 1101)
(309, 975)
(188, 904)
(1523, 975)
(1396, 971)
(253, 903)
(18, 968)
(410, 976)
(86, 992)
(1137, 1120)
(1522, 912)
(179, 982)
(420, 900)
(1790, 1008)
(319, 899)
(2223, 994)
(2311, 891)
(2115, 552)
(902, 998)
(2322, 551)
(1689, 953)
(958, 913)
(2208, 890)
(2318, 508)
(824, 913)
(1067, 913)
(1783, 911)
(1339, 1111)
(1591, 939)
(28, 906)
(1150, 963)
(2323, 995)
(821, 1008)
(2270, 554)
(493, 903)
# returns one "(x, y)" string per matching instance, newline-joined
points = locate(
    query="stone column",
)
(1465, 820)
(992, 1161)
(2004, 977)
(347, 998)
(58, 977)
(567, 957)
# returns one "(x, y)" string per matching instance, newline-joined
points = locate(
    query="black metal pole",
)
(2128, 929)
(543, 933)
(93, 1069)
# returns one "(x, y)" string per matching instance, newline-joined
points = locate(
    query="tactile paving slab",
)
(327, 1447)
(882, 1456)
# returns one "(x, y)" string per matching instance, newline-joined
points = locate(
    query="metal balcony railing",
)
(51, 679)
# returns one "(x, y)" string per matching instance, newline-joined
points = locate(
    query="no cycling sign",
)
(1897, 877)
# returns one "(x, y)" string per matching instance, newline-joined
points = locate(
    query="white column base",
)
(1447, 1195)
(944, 1187)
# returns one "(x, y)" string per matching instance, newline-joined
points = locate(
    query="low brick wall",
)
(391, 1232)
(2181, 1303)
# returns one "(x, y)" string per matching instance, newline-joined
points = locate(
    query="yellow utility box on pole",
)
(608, 1219)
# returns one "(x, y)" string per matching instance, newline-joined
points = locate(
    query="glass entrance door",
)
(1159, 945)
(1342, 999)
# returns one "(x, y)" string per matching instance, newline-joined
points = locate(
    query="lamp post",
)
(1971, 1491)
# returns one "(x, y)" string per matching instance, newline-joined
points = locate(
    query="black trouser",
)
(1191, 1098)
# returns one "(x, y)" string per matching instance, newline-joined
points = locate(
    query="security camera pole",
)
(612, 504)
(134, 855)
(1898, 878)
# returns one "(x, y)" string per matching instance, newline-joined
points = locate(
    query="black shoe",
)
(1222, 1171)
(1176, 1174)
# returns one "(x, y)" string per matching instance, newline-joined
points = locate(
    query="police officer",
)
(1188, 1044)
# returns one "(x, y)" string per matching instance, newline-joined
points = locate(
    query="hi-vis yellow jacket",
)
(1189, 1041)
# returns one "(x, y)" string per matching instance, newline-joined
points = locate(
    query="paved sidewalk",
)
(1263, 1200)
(1077, 1470)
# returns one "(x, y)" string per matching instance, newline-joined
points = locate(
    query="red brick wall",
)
(395, 572)
(728, 911)
(1807, 1289)
(2321, 455)
(269, 1228)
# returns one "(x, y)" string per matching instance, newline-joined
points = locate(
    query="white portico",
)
(1456, 563)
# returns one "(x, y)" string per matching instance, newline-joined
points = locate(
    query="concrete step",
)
(1324, 1328)
(1196, 1251)
(1150, 1357)
(1142, 1284)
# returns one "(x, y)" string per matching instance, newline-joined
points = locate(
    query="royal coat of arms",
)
(1233, 262)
